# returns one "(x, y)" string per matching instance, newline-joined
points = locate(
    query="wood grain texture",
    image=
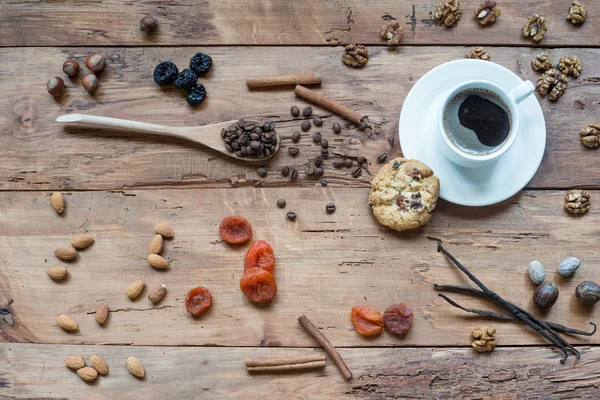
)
(279, 22)
(37, 371)
(326, 263)
(38, 153)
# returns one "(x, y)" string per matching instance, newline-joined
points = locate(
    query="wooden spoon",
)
(207, 135)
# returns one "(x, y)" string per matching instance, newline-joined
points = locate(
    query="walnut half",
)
(552, 81)
(356, 55)
(590, 135)
(392, 33)
(577, 201)
(542, 62)
(484, 339)
(479, 53)
(535, 27)
(448, 12)
(577, 13)
(570, 65)
(487, 12)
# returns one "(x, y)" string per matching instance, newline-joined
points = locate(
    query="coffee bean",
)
(319, 172)
(348, 163)
(241, 123)
(310, 171)
(269, 126)
(254, 136)
(356, 171)
(254, 145)
(361, 160)
(324, 143)
(249, 127)
(305, 125)
(338, 163)
(223, 132)
(229, 148)
(281, 203)
(330, 207)
(285, 171)
(262, 172)
(318, 160)
(391, 140)
(317, 121)
(291, 215)
(362, 126)
(307, 112)
(295, 137)
(317, 137)
(323, 182)
(325, 153)
(293, 150)
(337, 128)
(382, 157)
(294, 174)
(239, 153)
(295, 111)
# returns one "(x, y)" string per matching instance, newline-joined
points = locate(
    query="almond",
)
(99, 364)
(135, 367)
(66, 323)
(157, 261)
(82, 241)
(156, 245)
(75, 362)
(65, 253)
(135, 289)
(101, 313)
(57, 273)
(157, 294)
(88, 374)
(163, 229)
(57, 202)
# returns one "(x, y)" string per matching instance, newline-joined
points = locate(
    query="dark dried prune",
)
(200, 63)
(196, 95)
(186, 79)
(165, 73)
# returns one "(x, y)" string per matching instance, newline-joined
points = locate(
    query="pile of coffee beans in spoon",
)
(250, 139)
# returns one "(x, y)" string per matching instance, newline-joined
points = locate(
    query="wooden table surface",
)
(117, 185)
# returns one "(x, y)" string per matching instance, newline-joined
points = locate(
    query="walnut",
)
(356, 55)
(590, 135)
(549, 80)
(392, 33)
(479, 52)
(484, 339)
(542, 62)
(570, 65)
(448, 12)
(558, 90)
(535, 27)
(577, 13)
(577, 201)
(487, 12)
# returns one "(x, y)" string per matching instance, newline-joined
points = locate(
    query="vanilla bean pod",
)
(527, 318)
(506, 317)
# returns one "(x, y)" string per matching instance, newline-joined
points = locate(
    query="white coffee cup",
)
(510, 99)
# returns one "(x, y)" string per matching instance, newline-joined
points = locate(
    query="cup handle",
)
(522, 91)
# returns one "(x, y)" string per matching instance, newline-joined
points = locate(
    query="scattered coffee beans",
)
(337, 128)
(281, 203)
(319, 172)
(305, 125)
(361, 160)
(307, 112)
(348, 163)
(317, 137)
(325, 153)
(262, 172)
(296, 137)
(330, 207)
(356, 171)
(338, 163)
(324, 143)
(291, 215)
(285, 171)
(295, 111)
(317, 121)
(310, 171)
(247, 140)
(318, 160)
(293, 150)
(294, 174)
(391, 140)
(323, 182)
(382, 157)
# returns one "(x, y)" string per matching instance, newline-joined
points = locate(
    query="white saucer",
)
(419, 136)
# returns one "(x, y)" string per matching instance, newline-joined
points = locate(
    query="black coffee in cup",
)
(477, 121)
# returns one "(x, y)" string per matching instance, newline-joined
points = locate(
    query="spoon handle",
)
(129, 125)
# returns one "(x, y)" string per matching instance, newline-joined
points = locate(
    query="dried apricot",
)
(367, 321)
(198, 300)
(258, 285)
(260, 255)
(234, 229)
(398, 319)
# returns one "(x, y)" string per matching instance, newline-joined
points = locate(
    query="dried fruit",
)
(101, 313)
(545, 295)
(196, 95)
(260, 255)
(570, 65)
(90, 83)
(82, 241)
(588, 292)
(542, 62)
(479, 53)
(135, 367)
(392, 32)
(367, 321)
(88, 374)
(487, 12)
(165, 73)
(535, 27)
(590, 135)
(57, 202)
(356, 56)
(163, 229)
(95, 62)
(568, 266)
(66, 253)
(200, 63)
(148, 23)
(198, 301)
(67, 323)
(398, 319)
(186, 79)
(235, 230)
(57, 273)
(258, 285)
(75, 362)
(135, 289)
(549, 80)
(99, 364)
(577, 201)
(448, 12)
(536, 272)
(577, 13)
(484, 339)
(156, 245)
(56, 86)
(157, 261)
(71, 68)
(157, 294)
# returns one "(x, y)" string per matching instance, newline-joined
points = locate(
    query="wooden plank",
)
(245, 22)
(326, 263)
(34, 371)
(37, 153)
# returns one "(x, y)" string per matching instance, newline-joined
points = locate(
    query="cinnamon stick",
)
(305, 78)
(329, 104)
(326, 344)
(274, 361)
(288, 367)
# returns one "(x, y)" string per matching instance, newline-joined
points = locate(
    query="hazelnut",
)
(148, 23)
(90, 82)
(95, 62)
(56, 86)
(71, 68)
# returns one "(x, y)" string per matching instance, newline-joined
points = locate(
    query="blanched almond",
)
(135, 367)
(135, 289)
(163, 229)
(75, 362)
(66, 253)
(88, 374)
(99, 364)
(101, 313)
(82, 241)
(157, 294)
(57, 273)
(157, 261)
(66, 322)
(156, 245)
(57, 202)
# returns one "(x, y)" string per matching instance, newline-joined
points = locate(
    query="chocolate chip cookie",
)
(404, 194)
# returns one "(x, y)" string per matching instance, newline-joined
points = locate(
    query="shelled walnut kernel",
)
(392, 32)
(577, 201)
(590, 135)
(484, 339)
(542, 62)
(535, 27)
(552, 81)
(479, 53)
(448, 12)
(570, 65)
(577, 13)
(487, 12)
(356, 55)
